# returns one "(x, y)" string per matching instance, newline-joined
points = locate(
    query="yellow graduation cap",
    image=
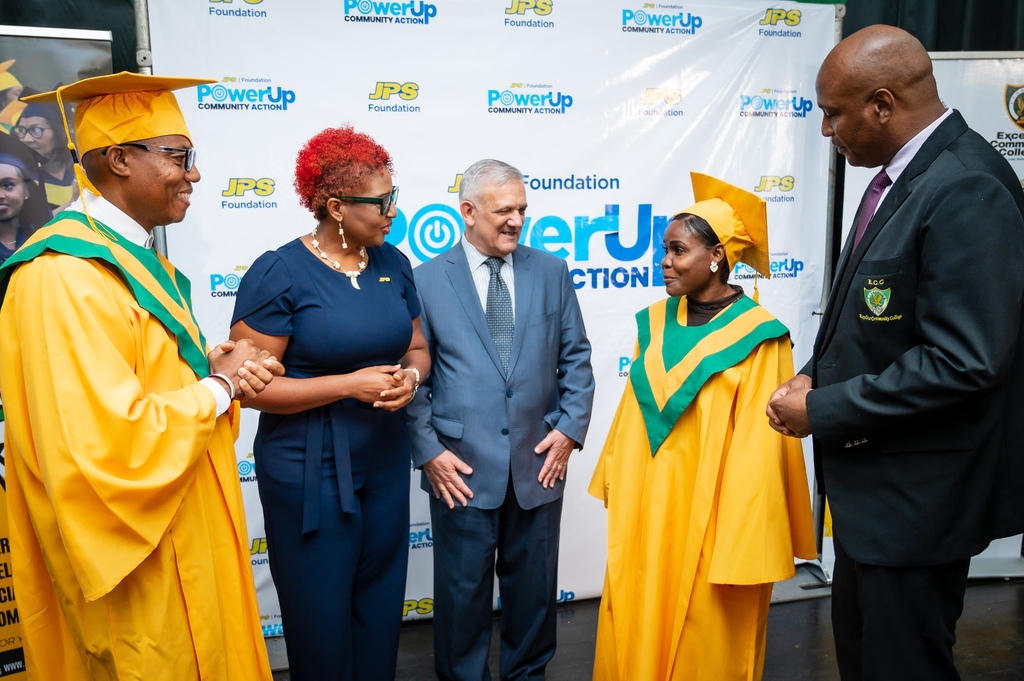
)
(123, 107)
(10, 114)
(738, 217)
(7, 79)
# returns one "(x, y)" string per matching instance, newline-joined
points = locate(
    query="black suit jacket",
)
(918, 366)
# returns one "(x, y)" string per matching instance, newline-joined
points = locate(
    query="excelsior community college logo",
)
(1015, 104)
(877, 300)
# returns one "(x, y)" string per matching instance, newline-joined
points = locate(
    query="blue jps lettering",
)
(422, 11)
(770, 182)
(238, 186)
(565, 596)
(774, 16)
(264, 98)
(655, 95)
(539, 7)
(642, 18)
(403, 90)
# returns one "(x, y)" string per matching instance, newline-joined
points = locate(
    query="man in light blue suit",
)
(507, 401)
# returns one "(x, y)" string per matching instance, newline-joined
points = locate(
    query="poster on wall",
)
(987, 88)
(605, 108)
(35, 179)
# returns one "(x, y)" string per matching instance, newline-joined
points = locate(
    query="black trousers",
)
(896, 623)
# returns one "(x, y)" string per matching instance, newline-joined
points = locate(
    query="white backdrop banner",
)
(988, 89)
(605, 106)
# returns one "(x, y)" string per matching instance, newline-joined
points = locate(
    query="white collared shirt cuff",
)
(219, 393)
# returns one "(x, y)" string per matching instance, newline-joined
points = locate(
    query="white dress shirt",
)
(481, 274)
(113, 217)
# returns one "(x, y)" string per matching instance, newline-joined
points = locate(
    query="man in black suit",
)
(912, 389)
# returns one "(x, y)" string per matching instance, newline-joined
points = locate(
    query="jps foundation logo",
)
(661, 102)
(518, 14)
(224, 8)
(1015, 104)
(539, 7)
(773, 16)
(383, 91)
(769, 182)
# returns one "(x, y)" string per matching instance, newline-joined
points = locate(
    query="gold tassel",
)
(83, 181)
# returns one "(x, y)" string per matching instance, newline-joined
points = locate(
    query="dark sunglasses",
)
(20, 131)
(190, 154)
(385, 201)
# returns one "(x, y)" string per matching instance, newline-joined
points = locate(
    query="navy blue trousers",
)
(471, 545)
(342, 587)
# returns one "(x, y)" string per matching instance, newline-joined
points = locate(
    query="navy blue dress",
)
(334, 480)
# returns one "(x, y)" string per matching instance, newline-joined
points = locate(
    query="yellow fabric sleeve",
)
(115, 459)
(763, 506)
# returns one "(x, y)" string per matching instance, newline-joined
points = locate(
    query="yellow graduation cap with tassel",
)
(738, 217)
(124, 107)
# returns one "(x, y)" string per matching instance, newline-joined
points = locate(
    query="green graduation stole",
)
(676, 361)
(158, 286)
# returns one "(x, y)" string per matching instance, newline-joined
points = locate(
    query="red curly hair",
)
(337, 162)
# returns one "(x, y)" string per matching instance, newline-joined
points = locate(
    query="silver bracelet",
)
(231, 386)
(416, 385)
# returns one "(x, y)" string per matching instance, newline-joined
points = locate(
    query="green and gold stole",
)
(676, 361)
(157, 286)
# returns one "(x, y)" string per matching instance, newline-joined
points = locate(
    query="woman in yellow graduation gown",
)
(707, 505)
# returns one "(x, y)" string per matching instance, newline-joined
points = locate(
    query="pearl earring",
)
(341, 233)
(714, 266)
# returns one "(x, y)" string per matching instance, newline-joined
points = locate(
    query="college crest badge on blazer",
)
(1014, 95)
(877, 299)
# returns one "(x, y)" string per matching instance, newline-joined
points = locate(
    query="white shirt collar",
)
(476, 258)
(905, 155)
(113, 217)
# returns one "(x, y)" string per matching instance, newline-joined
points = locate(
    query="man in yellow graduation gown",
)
(131, 558)
(707, 505)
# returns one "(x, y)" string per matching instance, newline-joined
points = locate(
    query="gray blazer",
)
(466, 404)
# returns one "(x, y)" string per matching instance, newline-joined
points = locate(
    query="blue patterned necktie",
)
(499, 312)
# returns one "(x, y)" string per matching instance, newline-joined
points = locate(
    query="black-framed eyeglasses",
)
(190, 153)
(20, 131)
(391, 199)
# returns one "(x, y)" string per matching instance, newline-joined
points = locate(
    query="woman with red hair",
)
(340, 309)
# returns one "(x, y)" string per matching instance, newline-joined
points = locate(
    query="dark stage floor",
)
(990, 645)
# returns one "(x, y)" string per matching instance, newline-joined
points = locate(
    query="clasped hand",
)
(787, 407)
(248, 368)
(387, 387)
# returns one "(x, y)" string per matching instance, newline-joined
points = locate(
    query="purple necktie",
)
(878, 186)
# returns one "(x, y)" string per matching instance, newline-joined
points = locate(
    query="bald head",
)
(878, 84)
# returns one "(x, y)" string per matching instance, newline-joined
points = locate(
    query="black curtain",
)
(945, 25)
(116, 16)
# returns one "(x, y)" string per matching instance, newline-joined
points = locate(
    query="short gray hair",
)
(482, 173)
